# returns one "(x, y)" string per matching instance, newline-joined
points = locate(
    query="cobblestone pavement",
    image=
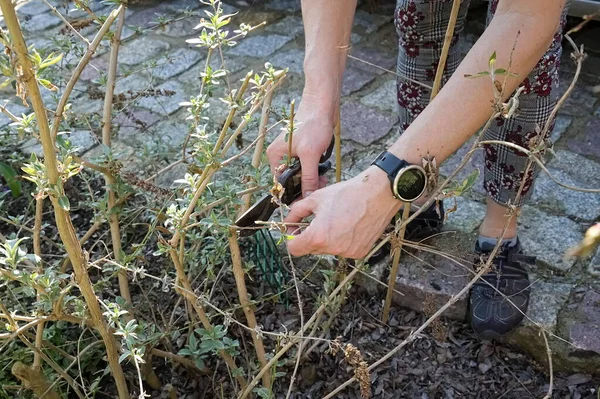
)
(565, 292)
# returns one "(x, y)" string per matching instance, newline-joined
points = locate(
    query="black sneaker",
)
(491, 314)
(427, 223)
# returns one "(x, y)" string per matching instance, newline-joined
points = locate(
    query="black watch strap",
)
(390, 164)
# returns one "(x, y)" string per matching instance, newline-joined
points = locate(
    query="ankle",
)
(495, 232)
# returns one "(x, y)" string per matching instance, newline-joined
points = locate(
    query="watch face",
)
(410, 183)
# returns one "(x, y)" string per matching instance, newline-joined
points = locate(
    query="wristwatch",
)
(408, 181)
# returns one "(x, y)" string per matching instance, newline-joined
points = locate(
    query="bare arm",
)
(327, 26)
(464, 105)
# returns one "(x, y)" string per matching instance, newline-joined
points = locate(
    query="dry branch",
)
(110, 181)
(238, 273)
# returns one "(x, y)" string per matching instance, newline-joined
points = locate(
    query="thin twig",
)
(240, 283)
(437, 83)
(396, 250)
(550, 368)
(59, 15)
(110, 181)
(58, 114)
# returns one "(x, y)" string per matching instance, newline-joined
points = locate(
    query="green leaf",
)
(9, 174)
(63, 202)
(470, 181)
(492, 61)
(263, 392)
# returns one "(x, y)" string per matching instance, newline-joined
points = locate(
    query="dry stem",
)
(437, 83)
(397, 250)
(79, 69)
(258, 149)
(238, 273)
(110, 181)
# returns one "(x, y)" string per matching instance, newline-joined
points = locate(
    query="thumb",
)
(310, 174)
(299, 245)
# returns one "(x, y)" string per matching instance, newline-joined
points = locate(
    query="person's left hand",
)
(349, 216)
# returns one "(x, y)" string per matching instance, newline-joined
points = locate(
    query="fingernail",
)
(306, 194)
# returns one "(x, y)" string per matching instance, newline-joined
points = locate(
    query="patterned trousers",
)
(421, 27)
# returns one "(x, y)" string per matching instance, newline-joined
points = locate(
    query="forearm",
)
(464, 105)
(327, 26)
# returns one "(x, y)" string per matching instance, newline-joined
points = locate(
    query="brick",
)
(163, 104)
(142, 49)
(383, 97)
(292, 59)
(177, 62)
(354, 80)
(259, 46)
(363, 124)
(548, 237)
(372, 55)
(588, 142)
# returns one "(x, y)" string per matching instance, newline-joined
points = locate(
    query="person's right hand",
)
(310, 140)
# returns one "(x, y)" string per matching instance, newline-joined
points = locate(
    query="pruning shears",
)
(292, 189)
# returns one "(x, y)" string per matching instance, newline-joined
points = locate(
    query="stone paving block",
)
(548, 237)
(177, 62)
(259, 46)
(578, 166)
(129, 127)
(371, 22)
(475, 162)
(585, 330)
(467, 217)
(382, 59)
(167, 179)
(83, 140)
(173, 133)
(182, 28)
(85, 105)
(573, 203)
(383, 97)
(580, 102)
(164, 104)
(94, 69)
(562, 124)
(546, 301)
(135, 82)
(354, 80)
(142, 49)
(284, 5)
(40, 22)
(33, 7)
(588, 142)
(427, 278)
(363, 124)
(289, 26)
(292, 59)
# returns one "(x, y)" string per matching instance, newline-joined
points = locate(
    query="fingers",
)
(300, 244)
(275, 153)
(300, 210)
(310, 172)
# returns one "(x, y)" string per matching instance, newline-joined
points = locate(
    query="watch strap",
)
(389, 163)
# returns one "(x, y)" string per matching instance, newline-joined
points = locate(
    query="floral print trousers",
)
(421, 27)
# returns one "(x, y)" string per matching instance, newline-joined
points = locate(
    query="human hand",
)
(349, 216)
(310, 140)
